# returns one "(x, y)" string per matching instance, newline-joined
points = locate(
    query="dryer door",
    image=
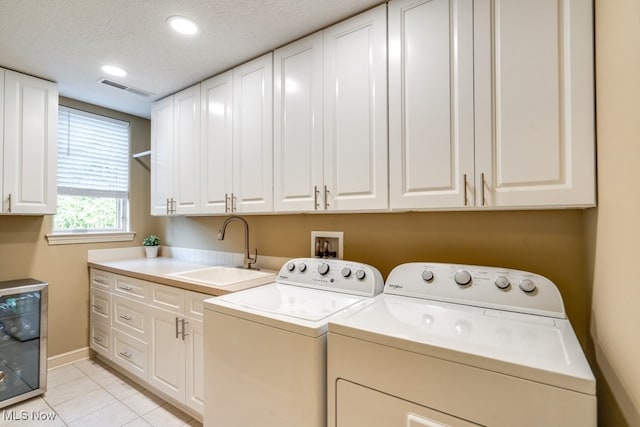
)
(359, 406)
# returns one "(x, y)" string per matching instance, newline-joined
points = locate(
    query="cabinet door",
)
(534, 103)
(195, 365)
(161, 156)
(186, 151)
(217, 143)
(167, 368)
(297, 125)
(30, 141)
(252, 136)
(431, 146)
(355, 115)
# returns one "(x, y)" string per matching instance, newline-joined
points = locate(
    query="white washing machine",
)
(459, 345)
(265, 348)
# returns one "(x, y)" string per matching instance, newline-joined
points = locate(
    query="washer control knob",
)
(346, 272)
(291, 266)
(527, 285)
(302, 267)
(427, 276)
(360, 274)
(502, 282)
(462, 277)
(323, 268)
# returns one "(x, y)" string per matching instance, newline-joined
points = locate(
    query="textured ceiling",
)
(68, 40)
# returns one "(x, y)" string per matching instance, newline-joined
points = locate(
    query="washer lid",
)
(299, 309)
(531, 347)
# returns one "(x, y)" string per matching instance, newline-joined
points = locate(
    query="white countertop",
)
(157, 270)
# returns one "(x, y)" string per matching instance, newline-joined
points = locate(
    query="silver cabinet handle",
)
(125, 317)
(466, 200)
(184, 334)
(316, 205)
(98, 307)
(126, 354)
(482, 188)
(9, 200)
(97, 339)
(233, 202)
(326, 198)
(100, 281)
(126, 288)
(171, 206)
(177, 331)
(226, 202)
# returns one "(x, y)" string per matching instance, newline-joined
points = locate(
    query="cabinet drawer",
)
(131, 288)
(100, 340)
(130, 316)
(101, 279)
(167, 298)
(130, 353)
(101, 305)
(194, 304)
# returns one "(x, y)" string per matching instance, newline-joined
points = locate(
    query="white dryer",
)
(265, 348)
(459, 345)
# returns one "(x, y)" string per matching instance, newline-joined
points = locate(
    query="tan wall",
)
(24, 252)
(613, 230)
(545, 242)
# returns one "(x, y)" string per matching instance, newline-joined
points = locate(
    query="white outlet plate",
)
(327, 244)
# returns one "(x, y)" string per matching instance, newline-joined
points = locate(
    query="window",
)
(93, 173)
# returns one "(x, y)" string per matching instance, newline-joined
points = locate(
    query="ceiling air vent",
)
(125, 88)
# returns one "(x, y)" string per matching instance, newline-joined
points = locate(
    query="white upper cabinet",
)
(161, 156)
(330, 119)
(534, 103)
(29, 184)
(186, 150)
(253, 136)
(217, 143)
(355, 113)
(491, 104)
(431, 141)
(175, 153)
(298, 125)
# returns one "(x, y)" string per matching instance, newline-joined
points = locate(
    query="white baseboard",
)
(68, 358)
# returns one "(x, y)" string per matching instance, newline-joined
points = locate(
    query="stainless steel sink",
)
(221, 276)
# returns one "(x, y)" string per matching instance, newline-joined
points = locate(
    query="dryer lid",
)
(537, 348)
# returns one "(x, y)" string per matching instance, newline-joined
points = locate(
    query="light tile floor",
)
(89, 393)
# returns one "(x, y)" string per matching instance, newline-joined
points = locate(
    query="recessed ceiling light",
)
(183, 25)
(113, 70)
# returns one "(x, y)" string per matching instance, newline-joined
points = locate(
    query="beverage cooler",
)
(23, 340)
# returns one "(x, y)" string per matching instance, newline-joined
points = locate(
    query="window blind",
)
(93, 155)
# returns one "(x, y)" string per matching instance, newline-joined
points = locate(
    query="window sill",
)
(78, 238)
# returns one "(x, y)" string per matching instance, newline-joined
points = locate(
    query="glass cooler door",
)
(22, 340)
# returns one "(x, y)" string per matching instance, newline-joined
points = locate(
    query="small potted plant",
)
(151, 244)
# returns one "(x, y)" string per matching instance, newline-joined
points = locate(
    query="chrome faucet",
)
(249, 260)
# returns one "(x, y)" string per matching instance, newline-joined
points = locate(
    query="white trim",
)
(68, 358)
(101, 237)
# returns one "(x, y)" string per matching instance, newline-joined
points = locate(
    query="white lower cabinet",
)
(152, 331)
(167, 367)
(194, 397)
